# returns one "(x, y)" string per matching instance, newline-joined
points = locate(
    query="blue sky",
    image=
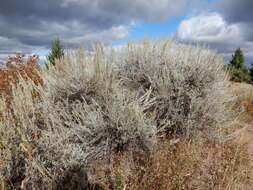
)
(154, 31)
(160, 30)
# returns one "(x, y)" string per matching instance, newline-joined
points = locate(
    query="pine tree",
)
(57, 51)
(238, 71)
(237, 59)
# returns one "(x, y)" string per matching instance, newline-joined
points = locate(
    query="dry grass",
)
(93, 106)
(243, 103)
(244, 94)
(184, 166)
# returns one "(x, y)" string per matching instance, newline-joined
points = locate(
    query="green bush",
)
(238, 75)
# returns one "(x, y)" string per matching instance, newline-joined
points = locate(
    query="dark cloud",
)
(239, 12)
(26, 25)
(236, 11)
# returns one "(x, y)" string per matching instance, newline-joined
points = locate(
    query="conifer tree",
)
(237, 59)
(238, 71)
(57, 51)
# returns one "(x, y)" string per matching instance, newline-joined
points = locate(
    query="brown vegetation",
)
(16, 67)
(184, 166)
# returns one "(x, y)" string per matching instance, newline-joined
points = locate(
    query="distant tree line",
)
(237, 69)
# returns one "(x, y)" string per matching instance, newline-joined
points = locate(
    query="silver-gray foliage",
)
(96, 104)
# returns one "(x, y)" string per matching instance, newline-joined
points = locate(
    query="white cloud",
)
(212, 30)
(208, 28)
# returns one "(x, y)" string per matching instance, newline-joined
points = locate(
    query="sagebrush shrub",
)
(82, 115)
(96, 104)
(187, 86)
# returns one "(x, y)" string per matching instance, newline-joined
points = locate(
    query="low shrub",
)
(186, 86)
(82, 115)
(94, 105)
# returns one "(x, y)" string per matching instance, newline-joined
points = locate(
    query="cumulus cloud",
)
(213, 30)
(240, 13)
(207, 28)
(31, 24)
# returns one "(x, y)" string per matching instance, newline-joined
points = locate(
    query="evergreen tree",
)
(237, 59)
(238, 71)
(57, 51)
